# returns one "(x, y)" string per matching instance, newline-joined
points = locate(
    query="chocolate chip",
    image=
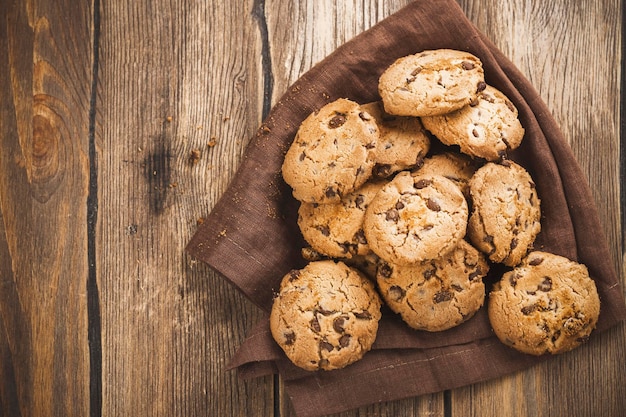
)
(294, 274)
(423, 183)
(315, 325)
(338, 120)
(327, 346)
(370, 145)
(348, 248)
(330, 192)
(359, 237)
(338, 324)
(467, 65)
(360, 199)
(475, 133)
(433, 205)
(526, 310)
(396, 293)
(323, 311)
(442, 296)
(513, 280)
(399, 205)
(546, 285)
(456, 287)
(385, 270)
(481, 86)
(476, 274)
(363, 315)
(535, 261)
(510, 105)
(416, 71)
(302, 156)
(323, 363)
(514, 243)
(382, 170)
(325, 230)
(364, 116)
(488, 239)
(344, 340)
(409, 80)
(392, 215)
(290, 338)
(428, 274)
(474, 103)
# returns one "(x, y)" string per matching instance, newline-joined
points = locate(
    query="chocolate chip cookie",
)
(548, 304)
(325, 316)
(454, 166)
(438, 294)
(413, 219)
(487, 128)
(431, 83)
(336, 230)
(505, 218)
(332, 154)
(403, 142)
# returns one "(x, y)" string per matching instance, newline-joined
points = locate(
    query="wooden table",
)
(121, 124)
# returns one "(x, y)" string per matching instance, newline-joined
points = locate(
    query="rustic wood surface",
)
(122, 123)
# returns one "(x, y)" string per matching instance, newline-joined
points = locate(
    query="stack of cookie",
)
(424, 226)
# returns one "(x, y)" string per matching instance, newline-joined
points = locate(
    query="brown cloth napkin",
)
(252, 239)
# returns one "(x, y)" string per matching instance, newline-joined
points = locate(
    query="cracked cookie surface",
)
(431, 82)
(332, 154)
(402, 144)
(325, 315)
(439, 294)
(336, 230)
(505, 218)
(548, 304)
(413, 219)
(487, 128)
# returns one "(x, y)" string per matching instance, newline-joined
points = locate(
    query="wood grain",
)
(179, 96)
(45, 85)
(180, 87)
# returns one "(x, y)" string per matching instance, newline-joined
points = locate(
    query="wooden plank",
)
(45, 84)
(572, 56)
(316, 29)
(180, 93)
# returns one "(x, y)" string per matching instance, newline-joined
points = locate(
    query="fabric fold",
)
(252, 239)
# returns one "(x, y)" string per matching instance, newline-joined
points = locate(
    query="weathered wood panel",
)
(179, 95)
(45, 85)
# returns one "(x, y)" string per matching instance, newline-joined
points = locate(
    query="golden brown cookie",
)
(438, 294)
(336, 230)
(325, 316)
(456, 167)
(402, 144)
(548, 304)
(413, 219)
(431, 83)
(332, 154)
(505, 218)
(487, 128)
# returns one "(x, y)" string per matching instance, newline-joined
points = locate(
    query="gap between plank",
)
(258, 12)
(94, 328)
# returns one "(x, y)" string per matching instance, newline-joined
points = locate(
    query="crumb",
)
(212, 142)
(174, 185)
(194, 156)
(222, 233)
(226, 118)
(200, 221)
(168, 119)
(265, 129)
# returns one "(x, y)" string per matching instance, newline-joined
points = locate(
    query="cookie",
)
(336, 230)
(431, 83)
(456, 167)
(505, 218)
(332, 154)
(413, 219)
(402, 144)
(487, 128)
(548, 304)
(439, 294)
(325, 316)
